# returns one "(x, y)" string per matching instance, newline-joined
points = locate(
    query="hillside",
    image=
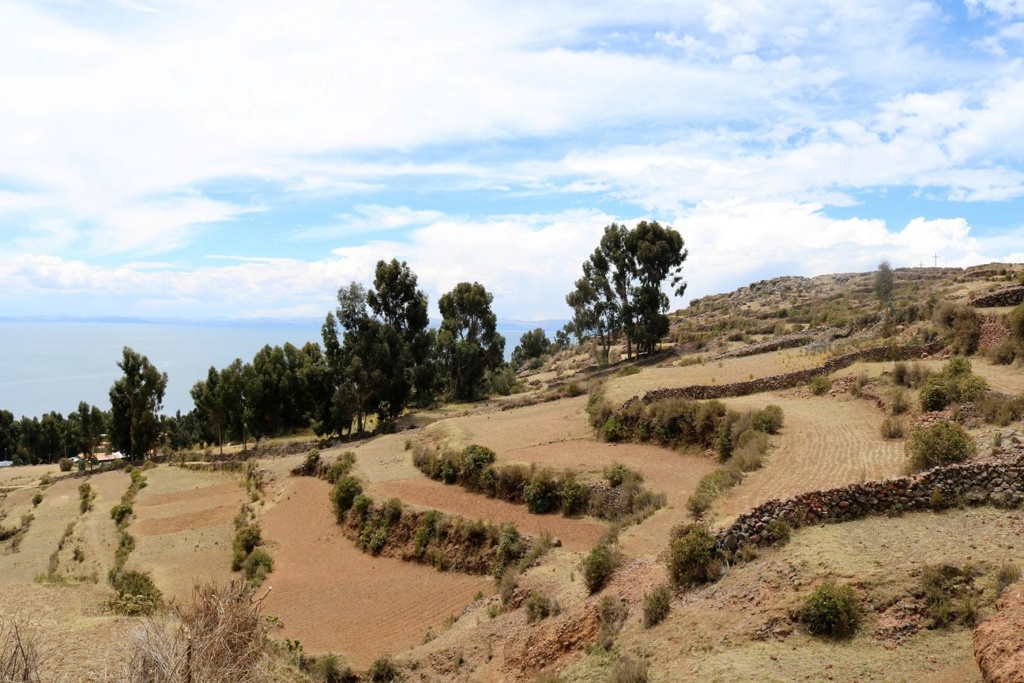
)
(840, 371)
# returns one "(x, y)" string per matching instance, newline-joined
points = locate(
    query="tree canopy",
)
(620, 291)
(469, 345)
(135, 400)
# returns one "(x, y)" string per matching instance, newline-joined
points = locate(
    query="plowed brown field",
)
(333, 597)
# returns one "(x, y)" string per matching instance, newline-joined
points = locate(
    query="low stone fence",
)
(791, 379)
(1005, 297)
(823, 335)
(999, 484)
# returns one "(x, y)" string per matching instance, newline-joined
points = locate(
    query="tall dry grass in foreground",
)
(220, 637)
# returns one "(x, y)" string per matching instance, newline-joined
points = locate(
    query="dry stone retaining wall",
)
(999, 484)
(791, 379)
(1006, 297)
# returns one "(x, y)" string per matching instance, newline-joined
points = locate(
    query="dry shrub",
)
(221, 637)
(22, 651)
(628, 670)
(891, 428)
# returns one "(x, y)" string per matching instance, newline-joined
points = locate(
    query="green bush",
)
(136, 594)
(898, 403)
(999, 409)
(344, 494)
(541, 494)
(65, 464)
(246, 540)
(574, 497)
(951, 595)
(598, 566)
(768, 419)
(613, 430)
(37, 499)
(384, 670)
(120, 512)
(657, 604)
(778, 531)
(258, 564)
(710, 487)
(933, 395)
(340, 467)
(820, 384)
(616, 474)
(693, 556)
(939, 444)
(831, 611)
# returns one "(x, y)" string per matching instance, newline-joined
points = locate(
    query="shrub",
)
(120, 512)
(574, 497)
(65, 464)
(613, 430)
(768, 419)
(951, 595)
(820, 384)
(340, 467)
(693, 556)
(384, 670)
(136, 593)
(611, 616)
(540, 607)
(628, 670)
(616, 474)
(971, 388)
(900, 373)
(246, 540)
(473, 461)
(942, 443)
(258, 565)
(344, 494)
(86, 496)
(1000, 409)
(898, 403)
(710, 486)
(778, 531)
(831, 611)
(933, 395)
(598, 566)
(657, 604)
(37, 499)
(891, 428)
(541, 494)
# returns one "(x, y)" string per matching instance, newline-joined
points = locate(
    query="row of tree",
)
(379, 357)
(33, 440)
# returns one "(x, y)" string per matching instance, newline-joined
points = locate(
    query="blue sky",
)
(245, 159)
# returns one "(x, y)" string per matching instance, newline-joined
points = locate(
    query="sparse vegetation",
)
(891, 428)
(657, 604)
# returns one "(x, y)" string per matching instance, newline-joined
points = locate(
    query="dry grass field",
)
(826, 442)
(184, 527)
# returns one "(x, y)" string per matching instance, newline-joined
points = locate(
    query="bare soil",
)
(332, 597)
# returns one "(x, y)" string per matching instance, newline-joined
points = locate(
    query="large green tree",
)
(135, 401)
(468, 343)
(10, 436)
(621, 287)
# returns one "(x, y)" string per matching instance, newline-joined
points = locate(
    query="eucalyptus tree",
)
(135, 401)
(468, 342)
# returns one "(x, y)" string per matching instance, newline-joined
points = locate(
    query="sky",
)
(242, 160)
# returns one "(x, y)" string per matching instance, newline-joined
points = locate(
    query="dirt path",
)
(333, 597)
(184, 526)
(825, 442)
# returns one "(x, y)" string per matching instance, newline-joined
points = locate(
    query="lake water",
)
(48, 366)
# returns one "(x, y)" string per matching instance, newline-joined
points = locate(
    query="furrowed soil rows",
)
(826, 442)
(184, 526)
(333, 597)
(59, 507)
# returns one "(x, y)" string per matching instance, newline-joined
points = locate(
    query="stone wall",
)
(1005, 297)
(791, 379)
(1000, 484)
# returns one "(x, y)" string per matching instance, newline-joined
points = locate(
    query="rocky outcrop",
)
(791, 379)
(999, 641)
(994, 483)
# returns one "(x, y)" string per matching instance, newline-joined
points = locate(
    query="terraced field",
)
(333, 597)
(184, 527)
